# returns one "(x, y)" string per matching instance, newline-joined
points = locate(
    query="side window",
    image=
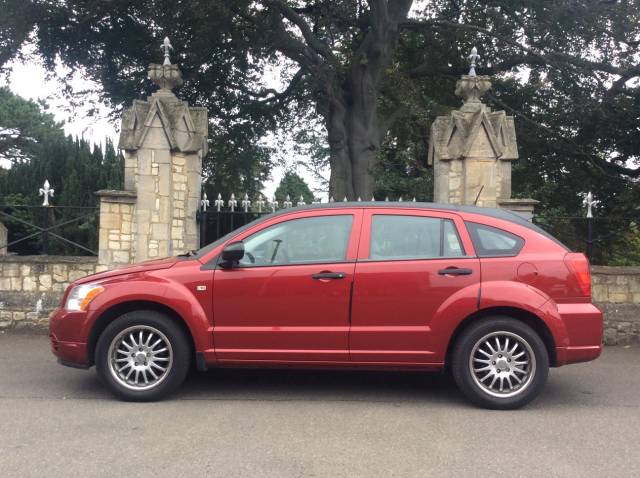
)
(491, 241)
(299, 241)
(413, 237)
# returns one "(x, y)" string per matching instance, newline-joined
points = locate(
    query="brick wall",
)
(32, 286)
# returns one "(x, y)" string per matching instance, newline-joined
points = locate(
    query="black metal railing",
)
(606, 240)
(215, 224)
(62, 230)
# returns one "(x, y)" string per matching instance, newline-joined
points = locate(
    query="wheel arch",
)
(119, 309)
(532, 320)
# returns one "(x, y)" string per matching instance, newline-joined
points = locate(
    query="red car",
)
(408, 286)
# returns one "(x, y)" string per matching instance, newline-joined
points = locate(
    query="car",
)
(479, 292)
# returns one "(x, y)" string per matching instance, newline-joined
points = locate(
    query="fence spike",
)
(218, 203)
(590, 203)
(260, 203)
(204, 202)
(246, 203)
(47, 191)
(232, 202)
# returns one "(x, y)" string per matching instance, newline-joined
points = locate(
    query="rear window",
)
(491, 241)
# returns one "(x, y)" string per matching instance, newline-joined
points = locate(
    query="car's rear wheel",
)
(500, 363)
(142, 356)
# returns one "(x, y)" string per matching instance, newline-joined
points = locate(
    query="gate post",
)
(472, 149)
(164, 141)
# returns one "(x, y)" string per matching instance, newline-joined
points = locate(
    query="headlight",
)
(81, 295)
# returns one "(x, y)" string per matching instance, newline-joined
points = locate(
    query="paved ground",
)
(56, 421)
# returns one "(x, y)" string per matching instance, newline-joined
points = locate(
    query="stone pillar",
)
(471, 151)
(115, 241)
(4, 239)
(164, 141)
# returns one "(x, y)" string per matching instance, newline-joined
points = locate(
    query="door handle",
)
(328, 275)
(455, 271)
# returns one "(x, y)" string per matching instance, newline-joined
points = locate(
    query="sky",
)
(30, 81)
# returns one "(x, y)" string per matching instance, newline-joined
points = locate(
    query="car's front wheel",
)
(142, 356)
(500, 363)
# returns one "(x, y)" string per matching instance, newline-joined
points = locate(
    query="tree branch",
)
(311, 40)
(605, 166)
(550, 58)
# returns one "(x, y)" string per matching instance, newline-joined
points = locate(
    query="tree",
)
(24, 126)
(295, 188)
(376, 72)
(39, 150)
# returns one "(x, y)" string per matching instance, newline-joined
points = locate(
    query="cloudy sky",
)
(30, 81)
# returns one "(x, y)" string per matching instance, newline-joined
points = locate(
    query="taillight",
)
(578, 264)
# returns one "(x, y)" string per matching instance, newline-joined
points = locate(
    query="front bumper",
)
(584, 324)
(65, 338)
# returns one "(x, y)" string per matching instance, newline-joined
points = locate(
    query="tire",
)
(481, 369)
(136, 347)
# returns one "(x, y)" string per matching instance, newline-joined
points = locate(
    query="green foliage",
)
(294, 187)
(625, 251)
(567, 70)
(74, 170)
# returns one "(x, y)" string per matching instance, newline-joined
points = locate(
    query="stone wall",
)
(616, 290)
(32, 286)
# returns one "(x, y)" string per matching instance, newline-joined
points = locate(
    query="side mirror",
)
(232, 253)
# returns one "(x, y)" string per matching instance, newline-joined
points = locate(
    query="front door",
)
(288, 298)
(411, 262)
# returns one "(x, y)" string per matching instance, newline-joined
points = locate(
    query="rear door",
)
(410, 262)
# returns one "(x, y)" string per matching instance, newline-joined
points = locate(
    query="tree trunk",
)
(354, 139)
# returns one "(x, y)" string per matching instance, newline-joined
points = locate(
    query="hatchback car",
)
(425, 287)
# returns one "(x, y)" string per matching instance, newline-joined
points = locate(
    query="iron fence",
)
(608, 240)
(62, 230)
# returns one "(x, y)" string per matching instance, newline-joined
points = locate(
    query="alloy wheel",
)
(140, 357)
(502, 364)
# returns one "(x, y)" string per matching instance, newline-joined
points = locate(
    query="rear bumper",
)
(584, 324)
(567, 355)
(64, 345)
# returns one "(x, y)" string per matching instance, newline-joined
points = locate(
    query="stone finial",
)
(471, 88)
(473, 58)
(166, 76)
(166, 48)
